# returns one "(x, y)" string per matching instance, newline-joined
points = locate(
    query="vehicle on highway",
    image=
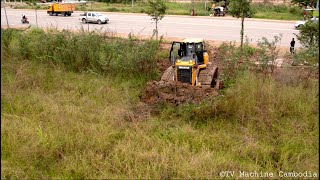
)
(24, 19)
(61, 8)
(93, 17)
(301, 23)
(219, 11)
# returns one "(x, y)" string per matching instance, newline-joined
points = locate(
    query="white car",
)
(94, 17)
(299, 24)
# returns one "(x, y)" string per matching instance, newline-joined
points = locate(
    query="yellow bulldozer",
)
(190, 64)
(190, 78)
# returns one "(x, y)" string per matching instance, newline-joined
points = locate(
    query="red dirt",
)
(174, 93)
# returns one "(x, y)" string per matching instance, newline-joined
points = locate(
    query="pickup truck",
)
(94, 17)
(301, 23)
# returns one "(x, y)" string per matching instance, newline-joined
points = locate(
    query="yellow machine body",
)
(192, 58)
(61, 8)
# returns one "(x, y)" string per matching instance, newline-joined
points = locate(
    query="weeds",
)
(268, 53)
(63, 115)
(86, 52)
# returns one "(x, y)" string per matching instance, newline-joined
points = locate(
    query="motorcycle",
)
(24, 21)
(219, 11)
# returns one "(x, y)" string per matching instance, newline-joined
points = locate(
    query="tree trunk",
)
(5, 12)
(157, 29)
(37, 18)
(242, 31)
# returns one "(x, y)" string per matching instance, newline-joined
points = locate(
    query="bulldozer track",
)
(168, 74)
(208, 76)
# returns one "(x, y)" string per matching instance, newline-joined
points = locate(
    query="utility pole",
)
(131, 3)
(205, 4)
(193, 4)
(5, 12)
(317, 8)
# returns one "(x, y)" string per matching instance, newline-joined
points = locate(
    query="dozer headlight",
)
(178, 61)
(191, 61)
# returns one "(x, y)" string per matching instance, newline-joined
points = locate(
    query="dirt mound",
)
(174, 93)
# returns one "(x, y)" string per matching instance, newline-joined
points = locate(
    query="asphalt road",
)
(209, 28)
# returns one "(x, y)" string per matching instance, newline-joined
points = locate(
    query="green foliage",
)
(309, 34)
(241, 8)
(237, 60)
(58, 122)
(260, 106)
(234, 60)
(34, 5)
(156, 9)
(307, 56)
(87, 52)
(268, 52)
(294, 10)
(281, 12)
(309, 39)
(311, 3)
(7, 37)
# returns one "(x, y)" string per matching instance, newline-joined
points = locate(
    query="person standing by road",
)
(292, 43)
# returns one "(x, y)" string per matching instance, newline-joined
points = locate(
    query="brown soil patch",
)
(174, 93)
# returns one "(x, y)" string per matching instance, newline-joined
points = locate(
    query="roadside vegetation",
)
(263, 11)
(70, 109)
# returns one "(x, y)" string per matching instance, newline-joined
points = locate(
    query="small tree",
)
(5, 12)
(268, 52)
(35, 6)
(309, 34)
(241, 9)
(156, 9)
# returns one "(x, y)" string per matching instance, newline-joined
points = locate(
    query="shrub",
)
(87, 52)
(6, 39)
(309, 34)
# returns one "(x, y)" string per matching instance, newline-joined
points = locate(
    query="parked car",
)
(301, 23)
(93, 17)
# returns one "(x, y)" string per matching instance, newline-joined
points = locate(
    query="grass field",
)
(62, 121)
(262, 11)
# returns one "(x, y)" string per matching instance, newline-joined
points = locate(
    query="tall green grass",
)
(279, 12)
(58, 121)
(102, 54)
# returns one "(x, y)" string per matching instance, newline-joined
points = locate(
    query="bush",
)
(308, 56)
(309, 34)
(112, 9)
(86, 52)
(295, 10)
(7, 37)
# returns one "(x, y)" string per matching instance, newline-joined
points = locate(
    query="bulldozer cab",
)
(190, 64)
(188, 49)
